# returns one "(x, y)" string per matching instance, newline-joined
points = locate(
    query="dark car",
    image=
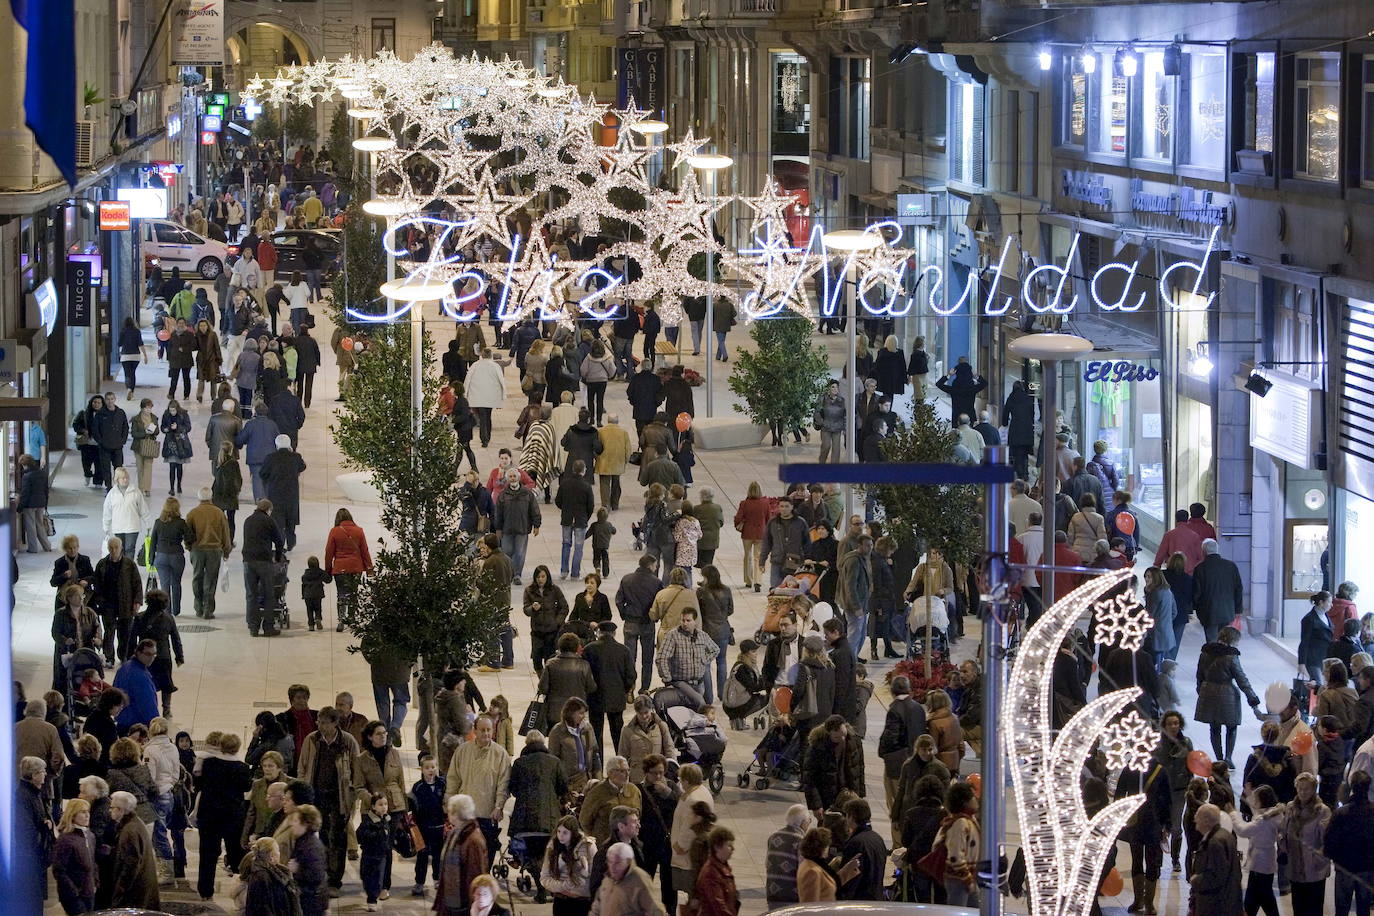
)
(290, 243)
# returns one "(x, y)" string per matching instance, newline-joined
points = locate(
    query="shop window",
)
(1253, 97)
(849, 103)
(1202, 102)
(1155, 116)
(1317, 116)
(966, 112)
(1073, 127)
(1107, 108)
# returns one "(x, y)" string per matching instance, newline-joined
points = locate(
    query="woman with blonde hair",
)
(171, 536)
(269, 889)
(73, 858)
(227, 485)
(751, 521)
(889, 369)
(75, 625)
(944, 728)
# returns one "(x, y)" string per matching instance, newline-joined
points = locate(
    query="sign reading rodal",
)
(115, 215)
(198, 33)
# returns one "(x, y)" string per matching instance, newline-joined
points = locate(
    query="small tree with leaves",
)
(930, 517)
(266, 126)
(781, 380)
(422, 599)
(340, 147)
(299, 124)
(364, 263)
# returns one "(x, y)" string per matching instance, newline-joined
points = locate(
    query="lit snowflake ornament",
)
(1122, 621)
(1129, 742)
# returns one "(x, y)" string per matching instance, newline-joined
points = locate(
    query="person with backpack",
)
(745, 690)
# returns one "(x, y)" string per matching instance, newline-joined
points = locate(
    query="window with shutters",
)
(967, 157)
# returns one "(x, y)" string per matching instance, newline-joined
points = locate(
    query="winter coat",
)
(1304, 837)
(223, 426)
(827, 771)
(1262, 832)
(1342, 609)
(74, 868)
(517, 511)
(33, 489)
(715, 893)
(117, 590)
(281, 474)
(668, 606)
(1085, 530)
(783, 538)
(1218, 593)
(565, 676)
(598, 370)
(581, 442)
(1314, 645)
(963, 390)
(751, 518)
(562, 746)
(831, 416)
(889, 370)
(371, 780)
(553, 608)
(610, 665)
(1160, 604)
(135, 868)
(642, 393)
(538, 787)
(345, 551)
(1220, 682)
(949, 738)
(676, 395)
(227, 485)
(343, 764)
(111, 428)
(286, 411)
(813, 680)
(124, 510)
(258, 438)
(614, 455)
(575, 500)
(1216, 869)
(181, 349)
(638, 742)
(686, 534)
(311, 873)
(485, 385)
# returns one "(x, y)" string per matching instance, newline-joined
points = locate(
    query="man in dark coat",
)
(135, 864)
(614, 671)
(262, 545)
(286, 411)
(307, 363)
(110, 433)
(118, 596)
(785, 536)
(842, 657)
(963, 387)
(281, 474)
(633, 598)
(258, 438)
(1218, 593)
(576, 504)
(865, 843)
(906, 721)
(622, 344)
(643, 394)
(676, 395)
(1216, 867)
(832, 762)
(1019, 414)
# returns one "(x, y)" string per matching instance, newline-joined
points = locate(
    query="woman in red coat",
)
(715, 893)
(751, 518)
(346, 558)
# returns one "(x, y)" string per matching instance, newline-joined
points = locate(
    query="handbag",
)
(635, 458)
(934, 863)
(402, 836)
(534, 715)
(808, 708)
(49, 525)
(145, 552)
(417, 836)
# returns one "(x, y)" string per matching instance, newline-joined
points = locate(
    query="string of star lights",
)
(1065, 849)
(490, 149)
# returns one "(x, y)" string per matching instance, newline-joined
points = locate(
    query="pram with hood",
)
(280, 579)
(778, 755)
(698, 739)
(523, 855)
(76, 667)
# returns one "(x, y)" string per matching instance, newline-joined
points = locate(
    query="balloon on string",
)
(1302, 743)
(684, 422)
(164, 335)
(1111, 884)
(976, 781)
(782, 700)
(346, 343)
(1199, 764)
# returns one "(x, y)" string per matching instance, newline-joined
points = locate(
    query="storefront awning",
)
(1113, 341)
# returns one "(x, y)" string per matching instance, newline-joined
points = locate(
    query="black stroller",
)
(777, 757)
(280, 579)
(697, 740)
(76, 667)
(524, 855)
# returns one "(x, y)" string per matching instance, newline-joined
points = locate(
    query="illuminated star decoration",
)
(485, 211)
(775, 269)
(1122, 621)
(1129, 743)
(1212, 118)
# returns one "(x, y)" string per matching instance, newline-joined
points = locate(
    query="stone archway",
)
(260, 38)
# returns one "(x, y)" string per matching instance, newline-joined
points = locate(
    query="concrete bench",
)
(734, 430)
(357, 487)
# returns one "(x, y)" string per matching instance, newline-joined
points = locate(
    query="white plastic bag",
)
(224, 576)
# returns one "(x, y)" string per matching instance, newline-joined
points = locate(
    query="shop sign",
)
(1087, 187)
(80, 293)
(1281, 422)
(198, 34)
(640, 77)
(115, 215)
(1118, 371)
(1187, 204)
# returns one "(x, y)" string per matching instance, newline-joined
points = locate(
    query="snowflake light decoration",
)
(1122, 621)
(1129, 743)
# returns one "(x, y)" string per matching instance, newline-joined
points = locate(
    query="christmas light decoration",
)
(1129, 743)
(1065, 849)
(1122, 621)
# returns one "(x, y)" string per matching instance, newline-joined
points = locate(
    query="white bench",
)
(734, 430)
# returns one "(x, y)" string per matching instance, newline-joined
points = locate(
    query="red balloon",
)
(164, 335)
(684, 422)
(1111, 884)
(346, 343)
(1199, 764)
(976, 781)
(782, 700)
(1302, 743)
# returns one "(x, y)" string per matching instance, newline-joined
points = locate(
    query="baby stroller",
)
(79, 665)
(697, 739)
(524, 854)
(280, 579)
(777, 756)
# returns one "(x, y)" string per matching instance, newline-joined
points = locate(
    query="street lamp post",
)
(851, 242)
(711, 163)
(1050, 350)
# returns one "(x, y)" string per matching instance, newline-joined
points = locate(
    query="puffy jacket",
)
(830, 414)
(111, 428)
(517, 511)
(346, 551)
(598, 370)
(552, 610)
(124, 510)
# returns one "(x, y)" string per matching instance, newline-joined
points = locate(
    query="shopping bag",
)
(224, 577)
(534, 715)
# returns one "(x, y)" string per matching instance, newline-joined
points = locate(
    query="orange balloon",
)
(346, 343)
(976, 781)
(782, 700)
(1302, 743)
(684, 422)
(1199, 764)
(1111, 884)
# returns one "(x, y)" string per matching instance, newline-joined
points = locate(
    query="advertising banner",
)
(198, 33)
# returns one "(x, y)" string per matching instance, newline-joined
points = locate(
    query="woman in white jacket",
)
(486, 390)
(164, 765)
(1262, 858)
(125, 509)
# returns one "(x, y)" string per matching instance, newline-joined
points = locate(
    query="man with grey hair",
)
(783, 856)
(135, 867)
(1216, 867)
(627, 889)
(480, 769)
(613, 460)
(1218, 592)
(33, 831)
(463, 857)
(624, 830)
(615, 790)
(209, 550)
(224, 426)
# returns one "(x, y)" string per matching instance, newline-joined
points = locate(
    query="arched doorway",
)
(260, 49)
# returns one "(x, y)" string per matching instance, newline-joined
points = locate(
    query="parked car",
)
(291, 242)
(176, 246)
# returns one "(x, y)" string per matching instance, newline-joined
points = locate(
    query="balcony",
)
(748, 7)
